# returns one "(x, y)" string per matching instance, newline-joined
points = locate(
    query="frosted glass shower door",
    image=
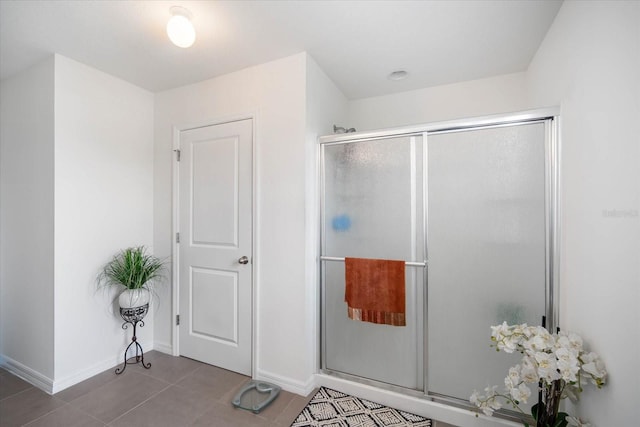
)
(373, 208)
(486, 248)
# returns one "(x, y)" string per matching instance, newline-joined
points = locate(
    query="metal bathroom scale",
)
(255, 396)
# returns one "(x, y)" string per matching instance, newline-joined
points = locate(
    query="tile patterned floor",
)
(175, 392)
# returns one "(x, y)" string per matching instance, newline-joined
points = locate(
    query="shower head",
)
(338, 129)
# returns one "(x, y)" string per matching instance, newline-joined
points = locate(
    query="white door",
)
(215, 244)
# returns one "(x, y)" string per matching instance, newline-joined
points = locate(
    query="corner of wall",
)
(302, 388)
(26, 200)
(103, 203)
(31, 376)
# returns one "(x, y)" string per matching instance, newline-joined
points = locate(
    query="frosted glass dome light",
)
(180, 29)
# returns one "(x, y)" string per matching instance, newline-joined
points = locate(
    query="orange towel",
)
(375, 290)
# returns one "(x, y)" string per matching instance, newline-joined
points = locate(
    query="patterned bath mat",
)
(331, 408)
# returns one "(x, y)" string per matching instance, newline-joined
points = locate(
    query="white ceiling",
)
(357, 43)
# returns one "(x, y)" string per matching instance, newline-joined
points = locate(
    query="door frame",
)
(175, 247)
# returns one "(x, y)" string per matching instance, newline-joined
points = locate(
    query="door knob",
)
(243, 260)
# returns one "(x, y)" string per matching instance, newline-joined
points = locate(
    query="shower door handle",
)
(243, 260)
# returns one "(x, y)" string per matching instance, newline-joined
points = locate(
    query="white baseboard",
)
(50, 386)
(287, 384)
(420, 406)
(78, 377)
(31, 376)
(163, 348)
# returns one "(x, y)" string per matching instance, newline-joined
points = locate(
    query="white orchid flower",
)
(552, 359)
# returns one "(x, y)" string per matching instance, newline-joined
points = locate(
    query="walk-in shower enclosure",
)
(471, 207)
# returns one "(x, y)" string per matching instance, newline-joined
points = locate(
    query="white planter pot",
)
(134, 298)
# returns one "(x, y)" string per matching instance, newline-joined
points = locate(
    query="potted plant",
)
(134, 272)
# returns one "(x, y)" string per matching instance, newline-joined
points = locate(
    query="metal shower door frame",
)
(347, 138)
(550, 117)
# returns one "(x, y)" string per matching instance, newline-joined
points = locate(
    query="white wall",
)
(26, 224)
(589, 63)
(77, 186)
(275, 94)
(103, 203)
(500, 94)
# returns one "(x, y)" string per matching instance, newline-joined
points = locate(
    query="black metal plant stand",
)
(134, 317)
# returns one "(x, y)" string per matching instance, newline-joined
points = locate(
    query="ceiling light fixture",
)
(180, 28)
(398, 75)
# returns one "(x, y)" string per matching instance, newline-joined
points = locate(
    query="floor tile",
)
(27, 406)
(175, 406)
(217, 382)
(275, 408)
(66, 416)
(86, 386)
(225, 415)
(168, 368)
(293, 409)
(174, 392)
(115, 398)
(10, 384)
